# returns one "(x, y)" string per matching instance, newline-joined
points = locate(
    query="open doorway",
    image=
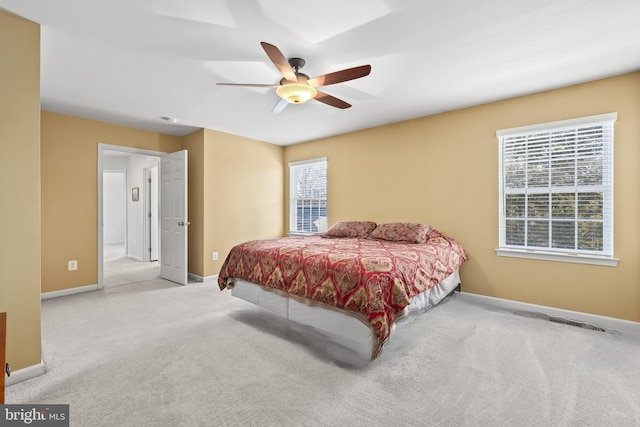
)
(128, 236)
(114, 213)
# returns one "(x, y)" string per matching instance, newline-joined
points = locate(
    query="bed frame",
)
(340, 326)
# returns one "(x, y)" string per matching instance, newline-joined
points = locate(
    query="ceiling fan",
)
(297, 88)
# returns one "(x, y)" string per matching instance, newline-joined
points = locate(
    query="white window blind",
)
(556, 187)
(308, 196)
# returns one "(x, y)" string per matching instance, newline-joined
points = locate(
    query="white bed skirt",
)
(339, 326)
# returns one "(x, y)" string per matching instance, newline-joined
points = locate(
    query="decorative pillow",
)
(405, 232)
(351, 229)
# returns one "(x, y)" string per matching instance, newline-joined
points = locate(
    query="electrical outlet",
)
(215, 256)
(73, 265)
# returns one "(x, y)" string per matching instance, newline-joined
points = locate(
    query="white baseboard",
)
(70, 291)
(25, 374)
(203, 279)
(626, 327)
(89, 288)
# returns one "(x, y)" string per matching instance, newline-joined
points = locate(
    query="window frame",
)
(293, 215)
(604, 257)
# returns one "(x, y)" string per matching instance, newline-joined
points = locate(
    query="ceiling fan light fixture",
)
(296, 93)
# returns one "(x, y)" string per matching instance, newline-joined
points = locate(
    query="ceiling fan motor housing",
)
(296, 63)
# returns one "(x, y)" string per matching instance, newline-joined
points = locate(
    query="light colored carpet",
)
(120, 270)
(158, 354)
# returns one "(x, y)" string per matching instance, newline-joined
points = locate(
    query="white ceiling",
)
(131, 62)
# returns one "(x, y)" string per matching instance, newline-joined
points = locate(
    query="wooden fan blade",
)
(280, 106)
(247, 84)
(279, 61)
(340, 76)
(331, 100)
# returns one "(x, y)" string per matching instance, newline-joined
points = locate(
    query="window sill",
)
(301, 233)
(561, 257)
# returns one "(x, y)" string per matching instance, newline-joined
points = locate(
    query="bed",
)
(352, 283)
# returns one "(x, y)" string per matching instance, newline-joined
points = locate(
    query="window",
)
(308, 196)
(556, 190)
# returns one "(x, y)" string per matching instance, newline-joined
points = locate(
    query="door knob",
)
(182, 223)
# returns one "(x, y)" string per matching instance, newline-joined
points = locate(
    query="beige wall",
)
(443, 170)
(235, 194)
(20, 188)
(243, 193)
(69, 168)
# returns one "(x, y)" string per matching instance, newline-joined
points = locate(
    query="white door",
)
(173, 211)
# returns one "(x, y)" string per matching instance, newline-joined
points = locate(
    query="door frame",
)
(152, 213)
(102, 147)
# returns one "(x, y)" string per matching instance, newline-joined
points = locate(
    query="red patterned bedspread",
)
(372, 278)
